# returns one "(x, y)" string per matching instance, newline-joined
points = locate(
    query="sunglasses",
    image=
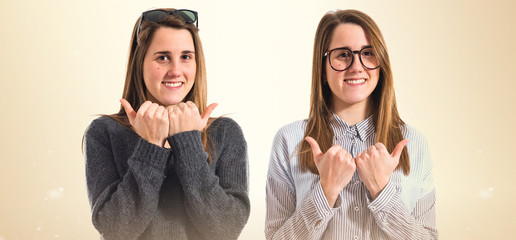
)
(159, 15)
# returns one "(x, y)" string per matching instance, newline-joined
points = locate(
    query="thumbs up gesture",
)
(376, 164)
(336, 168)
(185, 117)
(150, 122)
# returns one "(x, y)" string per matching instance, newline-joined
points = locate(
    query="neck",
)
(352, 113)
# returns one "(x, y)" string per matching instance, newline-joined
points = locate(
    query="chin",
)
(169, 102)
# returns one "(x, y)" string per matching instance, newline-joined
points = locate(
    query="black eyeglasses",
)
(160, 15)
(342, 58)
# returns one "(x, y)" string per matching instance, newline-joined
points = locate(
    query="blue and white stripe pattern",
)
(297, 208)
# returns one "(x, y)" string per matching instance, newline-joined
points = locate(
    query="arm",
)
(284, 220)
(393, 218)
(216, 201)
(122, 206)
(389, 210)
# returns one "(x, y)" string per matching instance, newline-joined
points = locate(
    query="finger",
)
(182, 105)
(159, 112)
(371, 149)
(206, 114)
(380, 147)
(364, 154)
(143, 108)
(348, 156)
(190, 104)
(172, 109)
(396, 153)
(316, 150)
(342, 155)
(151, 110)
(131, 114)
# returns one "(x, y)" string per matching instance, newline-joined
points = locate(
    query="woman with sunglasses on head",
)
(160, 168)
(353, 169)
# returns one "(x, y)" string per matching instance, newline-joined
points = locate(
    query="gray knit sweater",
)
(138, 190)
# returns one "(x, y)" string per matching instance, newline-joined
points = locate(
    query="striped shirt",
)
(297, 207)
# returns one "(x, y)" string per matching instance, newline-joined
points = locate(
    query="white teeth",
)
(173, 84)
(356, 81)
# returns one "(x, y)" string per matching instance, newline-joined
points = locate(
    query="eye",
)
(342, 54)
(163, 58)
(187, 56)
(368, 53)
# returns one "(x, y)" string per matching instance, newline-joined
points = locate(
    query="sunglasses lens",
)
(188, 16)
(155, 16)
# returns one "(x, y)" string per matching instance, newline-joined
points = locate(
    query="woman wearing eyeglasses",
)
(160, 168)
(353, 169)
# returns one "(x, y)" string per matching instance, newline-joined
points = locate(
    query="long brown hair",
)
(134, 87)
(383, 101)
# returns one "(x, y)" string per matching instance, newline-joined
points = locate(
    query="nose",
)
(174, 69)
(356, 66)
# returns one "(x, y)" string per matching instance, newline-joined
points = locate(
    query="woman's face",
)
(169, 66)
(353, 86)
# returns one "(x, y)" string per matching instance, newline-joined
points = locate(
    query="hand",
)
(150, 122)
(375, 166)
(336, 168)
(185, 117)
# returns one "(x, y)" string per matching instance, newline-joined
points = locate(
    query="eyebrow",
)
(168, 52)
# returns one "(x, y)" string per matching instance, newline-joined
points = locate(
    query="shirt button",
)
(357, 208)
(353, 141)
(373, 208)
(326, 213)
(356, 237)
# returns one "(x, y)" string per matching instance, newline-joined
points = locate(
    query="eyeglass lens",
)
(341, 59)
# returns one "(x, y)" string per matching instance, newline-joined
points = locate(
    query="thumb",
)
(131, 114)
(206, 114)
(316, 150)
(396, 153)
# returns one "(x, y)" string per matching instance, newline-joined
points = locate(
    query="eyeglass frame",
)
(359, 52)
(169, 12)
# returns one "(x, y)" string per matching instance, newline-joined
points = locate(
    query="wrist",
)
(376, 190)
(331, 196)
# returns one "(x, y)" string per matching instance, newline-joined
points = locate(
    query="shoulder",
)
(224, 129)
(103, 128)
(418, 150)
(414, 136)
(294, 129)
(102, 125)
(288, 137)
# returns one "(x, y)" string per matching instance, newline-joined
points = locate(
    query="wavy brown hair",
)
(134, 87)
(383, 101)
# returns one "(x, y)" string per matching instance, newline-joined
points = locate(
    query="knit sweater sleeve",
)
(216, 201)
(123, 204)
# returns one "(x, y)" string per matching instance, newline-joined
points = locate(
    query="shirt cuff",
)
(383, 203)
(323, 210)
(151, 154)
(187, 148)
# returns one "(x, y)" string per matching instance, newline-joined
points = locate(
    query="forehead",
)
(167, 38)
(348, 35)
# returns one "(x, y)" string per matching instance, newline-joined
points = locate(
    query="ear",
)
(323, 77)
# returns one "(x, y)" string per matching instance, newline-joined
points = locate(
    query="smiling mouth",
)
(355, 81)
(173, 84)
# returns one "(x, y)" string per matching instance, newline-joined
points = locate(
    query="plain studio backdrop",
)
(64, 62)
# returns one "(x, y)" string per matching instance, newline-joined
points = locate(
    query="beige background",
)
(62, 62)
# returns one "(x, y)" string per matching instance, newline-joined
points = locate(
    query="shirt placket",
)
(352, 133)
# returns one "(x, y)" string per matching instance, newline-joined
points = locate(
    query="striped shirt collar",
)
(363, 130)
